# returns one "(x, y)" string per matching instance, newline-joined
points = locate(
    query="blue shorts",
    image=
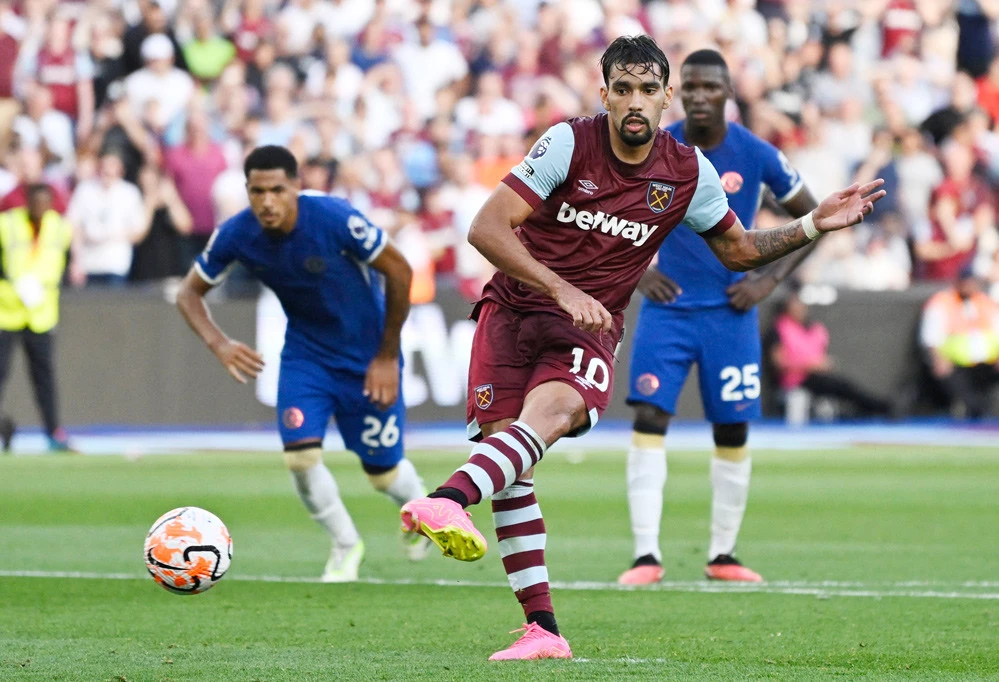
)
(309, 394)
(725, 344)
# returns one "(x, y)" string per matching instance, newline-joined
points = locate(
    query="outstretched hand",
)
(848, 206)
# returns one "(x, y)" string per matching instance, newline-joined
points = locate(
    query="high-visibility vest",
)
(972, 336)
(41, 256)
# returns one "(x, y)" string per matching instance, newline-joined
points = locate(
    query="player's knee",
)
(303, 457)
(381, 477)
(650, 419)
(731, 436)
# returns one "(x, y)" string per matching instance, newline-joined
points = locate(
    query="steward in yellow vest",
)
(960, 331)
(33, 246)
(33, 258)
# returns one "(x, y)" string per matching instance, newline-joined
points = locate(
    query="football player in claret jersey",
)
(345, 291)
(698, 311)
(572, 229)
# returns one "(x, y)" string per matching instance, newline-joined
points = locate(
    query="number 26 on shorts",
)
(377, 435)
(741, 384)
(597, 373)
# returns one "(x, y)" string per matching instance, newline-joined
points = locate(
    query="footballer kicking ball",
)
(188, 550)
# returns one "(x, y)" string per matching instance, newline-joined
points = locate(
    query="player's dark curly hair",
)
(271, 157)
(636, 55)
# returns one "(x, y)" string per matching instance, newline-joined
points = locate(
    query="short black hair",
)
(640, 51)
(271, 157)
(706, 58)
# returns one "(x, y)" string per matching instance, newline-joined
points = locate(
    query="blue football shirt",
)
(745, 163)
(334, 301)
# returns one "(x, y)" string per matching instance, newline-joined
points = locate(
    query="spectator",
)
(489, 112)
(960, 332)
(193, 167)
(799, 350)
(110, 215)
(33, 246)
(154, 20)
(48, 130)
(159, 83)
(106, 56)
(247, 25)
(66, 72)
(428, 65)
(162, 252)
(207, 53)
(27, 166)
(12, 32)
(960, 213)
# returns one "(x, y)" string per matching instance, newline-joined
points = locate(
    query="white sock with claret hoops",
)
(646, 480)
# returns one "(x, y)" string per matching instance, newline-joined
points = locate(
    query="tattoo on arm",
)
(773, 243)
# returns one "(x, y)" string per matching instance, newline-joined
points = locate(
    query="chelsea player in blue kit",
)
(345, 291)
(697, 311)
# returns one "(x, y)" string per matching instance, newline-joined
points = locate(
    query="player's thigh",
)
(729, 365)
(305, 401)
(373, 434)
(499, 369)
(662, 352)
(577, 358)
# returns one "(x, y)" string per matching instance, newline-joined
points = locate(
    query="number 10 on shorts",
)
(741, 384)
(597, 373)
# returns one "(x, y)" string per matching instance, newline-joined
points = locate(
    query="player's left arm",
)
(750, 290)
(740, 249)
(381, 383)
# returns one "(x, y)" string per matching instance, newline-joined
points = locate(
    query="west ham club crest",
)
(484, 396)
(660, 196)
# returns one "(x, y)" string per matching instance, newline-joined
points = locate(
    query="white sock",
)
(319, 493)
(730, 482)
(407, 484)
(646, 479)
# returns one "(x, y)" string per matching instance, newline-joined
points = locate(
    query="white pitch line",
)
(816, 589)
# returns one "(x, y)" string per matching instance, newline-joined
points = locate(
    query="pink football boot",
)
(727, 567)
(535, 643)
(446, 524)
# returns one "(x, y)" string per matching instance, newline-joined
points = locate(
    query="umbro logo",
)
(587, 186)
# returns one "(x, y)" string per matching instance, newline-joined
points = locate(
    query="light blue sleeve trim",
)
(709, 204)
(546, 166)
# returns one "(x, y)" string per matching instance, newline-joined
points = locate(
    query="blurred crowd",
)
(138, 113)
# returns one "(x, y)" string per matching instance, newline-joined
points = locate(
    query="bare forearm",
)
(196, 313)
(759, 247)
(501, 247)
(396, 311)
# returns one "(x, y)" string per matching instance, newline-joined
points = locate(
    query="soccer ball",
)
(188, 550)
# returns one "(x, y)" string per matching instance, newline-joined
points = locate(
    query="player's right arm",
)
(208, 270)
(510, 204)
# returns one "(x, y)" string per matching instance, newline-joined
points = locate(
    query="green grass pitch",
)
(881, 562)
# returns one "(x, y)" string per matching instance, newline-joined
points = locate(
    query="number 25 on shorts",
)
(740, 384)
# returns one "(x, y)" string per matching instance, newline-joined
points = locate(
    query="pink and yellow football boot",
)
(536, 643)
(727, 567)
(446, 524)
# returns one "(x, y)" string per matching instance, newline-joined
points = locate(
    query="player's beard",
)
(636, 139)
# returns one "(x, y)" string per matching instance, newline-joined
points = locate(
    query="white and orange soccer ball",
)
(188, 550)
